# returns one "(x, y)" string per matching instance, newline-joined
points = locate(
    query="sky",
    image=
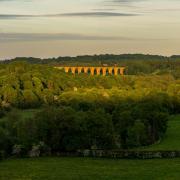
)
(52, 28)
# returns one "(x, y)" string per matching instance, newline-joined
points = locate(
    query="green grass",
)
(171, 141)
(87, 169)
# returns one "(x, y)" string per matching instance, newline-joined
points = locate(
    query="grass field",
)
(87, 169)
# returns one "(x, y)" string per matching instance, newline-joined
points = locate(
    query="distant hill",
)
(95, 59)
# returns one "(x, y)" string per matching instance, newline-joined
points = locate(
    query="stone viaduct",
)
(94, 70)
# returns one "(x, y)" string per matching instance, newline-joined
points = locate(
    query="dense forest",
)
(82, 111)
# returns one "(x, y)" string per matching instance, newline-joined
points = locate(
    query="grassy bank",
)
(82, 168)
(171, 141)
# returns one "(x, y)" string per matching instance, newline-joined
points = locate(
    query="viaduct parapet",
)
(94, 70)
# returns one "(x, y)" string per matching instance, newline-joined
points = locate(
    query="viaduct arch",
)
(94, 70)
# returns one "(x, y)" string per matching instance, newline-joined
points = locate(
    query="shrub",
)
(18, 150)
(35, 151)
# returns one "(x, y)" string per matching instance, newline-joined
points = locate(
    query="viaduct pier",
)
(93, 70)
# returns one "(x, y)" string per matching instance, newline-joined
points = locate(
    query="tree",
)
(100, 132)
(137, 134)
(30, 99)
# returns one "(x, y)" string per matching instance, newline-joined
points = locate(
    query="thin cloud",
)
(20, 37)
(14, 37)
(124, 1)
(140, 5)
(98, 14)
(78, 14)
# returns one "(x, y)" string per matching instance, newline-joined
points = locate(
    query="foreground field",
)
(86, 169)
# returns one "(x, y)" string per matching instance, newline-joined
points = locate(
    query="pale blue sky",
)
(46, 28)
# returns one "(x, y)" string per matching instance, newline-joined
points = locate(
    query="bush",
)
(2, 112)
(5, 141)
(35, 151)
(1, 155)
(39, 149)
(18, 150)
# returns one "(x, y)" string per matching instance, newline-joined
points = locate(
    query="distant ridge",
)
(94, 58)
